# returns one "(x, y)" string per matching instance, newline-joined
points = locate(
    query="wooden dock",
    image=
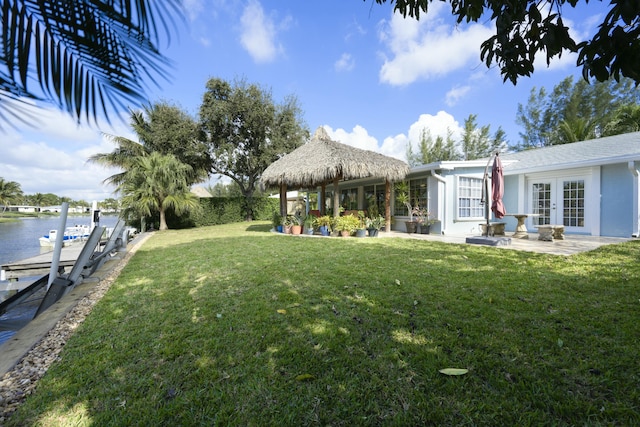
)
(40, 264)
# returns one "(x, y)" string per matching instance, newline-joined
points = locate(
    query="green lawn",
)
(233, 325)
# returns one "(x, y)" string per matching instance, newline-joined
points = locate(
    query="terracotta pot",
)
(296, 229)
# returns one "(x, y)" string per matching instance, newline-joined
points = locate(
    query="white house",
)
(590, 187)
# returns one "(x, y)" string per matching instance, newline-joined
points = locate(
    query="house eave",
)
(571, 165)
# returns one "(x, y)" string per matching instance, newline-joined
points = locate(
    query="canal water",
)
(20, 240)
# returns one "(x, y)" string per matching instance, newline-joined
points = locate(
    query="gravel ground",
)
(22, 380)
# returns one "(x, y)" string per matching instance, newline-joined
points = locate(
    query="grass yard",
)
(233, 325)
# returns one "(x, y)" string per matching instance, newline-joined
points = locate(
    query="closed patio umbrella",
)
(497, 188)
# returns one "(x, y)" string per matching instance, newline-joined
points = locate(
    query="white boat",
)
(77, 233)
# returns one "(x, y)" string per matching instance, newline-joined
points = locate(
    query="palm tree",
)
(37, 199)
(126, 154)
(156, 183)
(574, 130)
(87, 55)
(625, 120)
(10, 192)
(163, 128)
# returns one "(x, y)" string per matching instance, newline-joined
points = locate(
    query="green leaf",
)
(305, 377)
(453, 371)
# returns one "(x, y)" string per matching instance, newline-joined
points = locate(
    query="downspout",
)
(444, 203)
(636, 198)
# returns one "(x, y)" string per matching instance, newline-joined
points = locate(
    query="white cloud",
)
(455, 94)
(259, 33)
(438, 125)
(428, 48)
(358, 137)
(396, 146)
(52, 157)
(345, 63)
(193, 8)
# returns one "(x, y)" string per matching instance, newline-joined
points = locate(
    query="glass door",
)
(559, 201)
(541, 203)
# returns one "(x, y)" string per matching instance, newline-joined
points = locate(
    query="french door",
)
(560, 201)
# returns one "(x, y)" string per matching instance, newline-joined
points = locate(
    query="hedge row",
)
(224, 210)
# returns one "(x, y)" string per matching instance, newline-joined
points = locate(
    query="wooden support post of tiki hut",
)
(283, 200)
(387, 206)
(336, 196)
(322, 204)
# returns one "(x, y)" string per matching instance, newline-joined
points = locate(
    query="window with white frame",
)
(470, 198)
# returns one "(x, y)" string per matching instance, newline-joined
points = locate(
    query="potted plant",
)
(374, 225)
(402, 196)
(422, 219)
(296, 226)
(276, 221)
(288, 222)
(361, 230)
(308, 224)
(324, 223)
(346, 225)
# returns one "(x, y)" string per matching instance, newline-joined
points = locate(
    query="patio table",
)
(521, 229)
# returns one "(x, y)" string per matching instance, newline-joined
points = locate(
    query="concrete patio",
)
(572, 244)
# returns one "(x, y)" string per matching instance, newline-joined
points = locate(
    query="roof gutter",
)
(444, 206)
(635, 197)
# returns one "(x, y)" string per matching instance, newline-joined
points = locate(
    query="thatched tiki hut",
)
(322, 161)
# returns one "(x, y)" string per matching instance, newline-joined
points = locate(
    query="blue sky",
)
(372, 78)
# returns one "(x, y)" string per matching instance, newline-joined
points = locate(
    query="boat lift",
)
(87, 263)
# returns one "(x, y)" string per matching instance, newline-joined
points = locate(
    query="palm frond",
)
(90, 55)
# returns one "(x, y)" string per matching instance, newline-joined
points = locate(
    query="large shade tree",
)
(85, 56)
(525, 29)
(247, 131)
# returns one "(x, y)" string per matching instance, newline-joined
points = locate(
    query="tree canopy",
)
(157, 172)
(478, 142)
(10, 192)
(247, 131)
(575, 111)
(525, 29)
(85, 56)
(475, 143)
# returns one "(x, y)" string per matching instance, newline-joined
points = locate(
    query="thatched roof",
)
(321, 160)
(201, 192)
